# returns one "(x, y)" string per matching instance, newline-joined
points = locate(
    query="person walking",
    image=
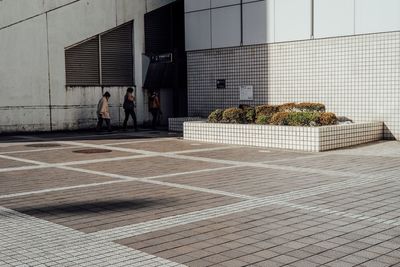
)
(129, 108)
(154, 108)
(103, 112)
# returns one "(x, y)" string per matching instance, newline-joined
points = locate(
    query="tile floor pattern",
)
(157, 200)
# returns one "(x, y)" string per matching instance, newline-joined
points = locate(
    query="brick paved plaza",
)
(153, 199)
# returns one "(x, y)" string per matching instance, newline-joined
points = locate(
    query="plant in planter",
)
(303, 118)
(216, 116)
(234, 115)
(280, 118)
(288, 107)
(291, 114)
(328, 118)
(310, 107)
(296, 118)
(266, 109)
(250, 114)
(264, 114)
(263, 119)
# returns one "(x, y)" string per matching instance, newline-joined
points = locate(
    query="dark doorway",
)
(165, 50)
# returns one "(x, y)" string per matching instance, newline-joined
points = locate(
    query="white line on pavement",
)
(38, 150)
(24, 160)
(59, 189)
(123, 178)
(24, 168)
(252, 203)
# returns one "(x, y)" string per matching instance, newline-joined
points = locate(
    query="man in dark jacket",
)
(129, 108)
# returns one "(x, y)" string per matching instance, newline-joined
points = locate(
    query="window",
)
(104, 60)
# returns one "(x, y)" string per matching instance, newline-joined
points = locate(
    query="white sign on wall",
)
(246, 93)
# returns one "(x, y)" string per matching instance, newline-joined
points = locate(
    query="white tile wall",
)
(176, 124)
(312, 139)
(355, 76)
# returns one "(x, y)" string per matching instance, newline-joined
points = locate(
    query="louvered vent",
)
(114, 49)
(117, 57)
(82, 63)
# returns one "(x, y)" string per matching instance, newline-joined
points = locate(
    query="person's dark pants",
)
(133, 115)
(100, 123)
(155, 113)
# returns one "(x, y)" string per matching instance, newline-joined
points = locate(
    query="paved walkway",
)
(152, 199)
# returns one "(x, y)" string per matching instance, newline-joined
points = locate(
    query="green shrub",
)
(250, 114)
(264, 113)
(266, 110)
(216, 116)
(287, 107)
(280, 118)
(234, 115)
(296, 118)
(291, 114)
(263, 119)
(303, 118)
(328, 118)
(310, 107)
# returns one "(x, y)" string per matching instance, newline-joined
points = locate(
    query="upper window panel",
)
(292, 20)
(194, 5)
(377, 16)
(333, 18)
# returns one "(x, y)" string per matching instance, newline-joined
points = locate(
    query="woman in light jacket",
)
(103, 112)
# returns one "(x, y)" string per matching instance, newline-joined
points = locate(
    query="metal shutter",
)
(117, 57)
(82, 63)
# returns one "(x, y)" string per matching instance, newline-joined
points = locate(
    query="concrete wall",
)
(33, 36)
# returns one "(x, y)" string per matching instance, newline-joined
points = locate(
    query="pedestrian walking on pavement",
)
(154, 108)
(103, 112)
(129, 108)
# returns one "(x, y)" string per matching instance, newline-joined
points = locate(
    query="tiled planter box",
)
(176, 124)
(313, 139)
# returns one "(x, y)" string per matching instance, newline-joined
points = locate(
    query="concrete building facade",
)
(33, 38)
(343, 53)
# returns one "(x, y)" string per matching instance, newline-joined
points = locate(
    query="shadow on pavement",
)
(85, 135)
(87, 207)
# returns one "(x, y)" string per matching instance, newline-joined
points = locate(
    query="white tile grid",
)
(29, 241)
(176, 124)
(355, 76)
(49, 244)
(253, 203)
(339, 137)
(312, 139)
